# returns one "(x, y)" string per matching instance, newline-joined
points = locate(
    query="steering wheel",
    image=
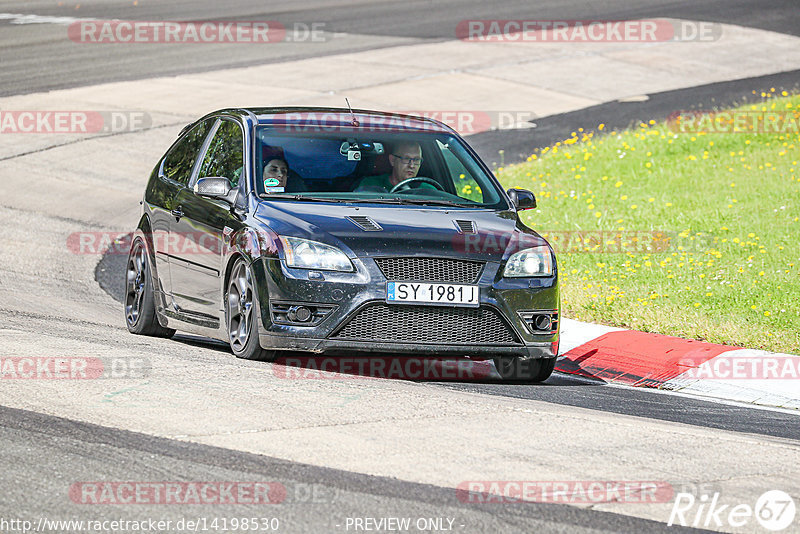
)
(402, 186)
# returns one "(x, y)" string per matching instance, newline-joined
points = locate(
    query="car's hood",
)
(404, 230)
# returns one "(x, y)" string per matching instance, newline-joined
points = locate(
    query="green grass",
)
(728, 205)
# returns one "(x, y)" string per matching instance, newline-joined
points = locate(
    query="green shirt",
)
(383, 182)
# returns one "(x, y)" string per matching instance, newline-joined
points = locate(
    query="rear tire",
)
(242, 314)
(530, 370)
(140, 310)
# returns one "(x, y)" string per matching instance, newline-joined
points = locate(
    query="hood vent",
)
(365, 223)
(465, 227)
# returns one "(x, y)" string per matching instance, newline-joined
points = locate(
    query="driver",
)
(405, 159)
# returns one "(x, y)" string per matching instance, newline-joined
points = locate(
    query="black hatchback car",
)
(333, 231)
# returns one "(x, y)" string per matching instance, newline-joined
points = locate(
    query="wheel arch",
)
(145, 233)
(259, 280)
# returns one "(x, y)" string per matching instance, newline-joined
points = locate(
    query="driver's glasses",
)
(409, 161)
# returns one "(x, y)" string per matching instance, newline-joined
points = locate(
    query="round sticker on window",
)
(271, 182)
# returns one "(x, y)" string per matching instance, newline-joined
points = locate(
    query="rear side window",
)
(179, 162)
(225, 156)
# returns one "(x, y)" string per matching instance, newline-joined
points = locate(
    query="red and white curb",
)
(633, 358)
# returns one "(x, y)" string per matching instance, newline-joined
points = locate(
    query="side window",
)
(463, 182)
(179, 162)
(224, 156)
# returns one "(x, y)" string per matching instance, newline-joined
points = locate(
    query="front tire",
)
(140, 310)
(242, 314)
(530, 370)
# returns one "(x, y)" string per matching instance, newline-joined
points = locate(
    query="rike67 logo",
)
(774, 510)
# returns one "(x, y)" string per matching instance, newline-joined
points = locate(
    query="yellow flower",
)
(618, 184)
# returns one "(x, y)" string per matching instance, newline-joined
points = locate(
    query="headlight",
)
(305, 254)
(536, 261)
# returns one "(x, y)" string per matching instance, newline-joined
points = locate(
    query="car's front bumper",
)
(351, 293)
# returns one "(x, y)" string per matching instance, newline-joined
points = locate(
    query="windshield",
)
(418, 168)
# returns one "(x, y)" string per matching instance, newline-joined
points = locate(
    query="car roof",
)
(337, 118)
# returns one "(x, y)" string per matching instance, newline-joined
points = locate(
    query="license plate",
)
(432, 293)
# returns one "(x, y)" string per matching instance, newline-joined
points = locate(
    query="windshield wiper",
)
(433, 202)
(279, 196)
(400, 201)
(378, 200)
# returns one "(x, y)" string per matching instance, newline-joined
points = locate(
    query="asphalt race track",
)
(36, 59)
(346, 448)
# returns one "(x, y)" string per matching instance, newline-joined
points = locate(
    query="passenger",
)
(276, 175)
(405, 159)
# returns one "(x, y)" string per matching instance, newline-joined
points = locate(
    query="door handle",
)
(177, 213)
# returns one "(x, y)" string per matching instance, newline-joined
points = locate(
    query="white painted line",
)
(17, 18)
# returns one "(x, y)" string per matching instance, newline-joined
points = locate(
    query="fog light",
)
(291, 313)
(540, 321)
(543, 322)
(300, 314)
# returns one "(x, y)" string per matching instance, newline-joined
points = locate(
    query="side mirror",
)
(217, 188)
(522, 199)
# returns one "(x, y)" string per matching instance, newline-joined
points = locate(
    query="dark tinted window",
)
(180, 160)
(361, 165)
(309, 157)
(224, 156)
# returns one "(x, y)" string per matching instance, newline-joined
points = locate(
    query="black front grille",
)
(430, 270)
(381, 322)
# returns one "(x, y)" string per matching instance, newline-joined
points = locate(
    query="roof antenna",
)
(355, 121)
